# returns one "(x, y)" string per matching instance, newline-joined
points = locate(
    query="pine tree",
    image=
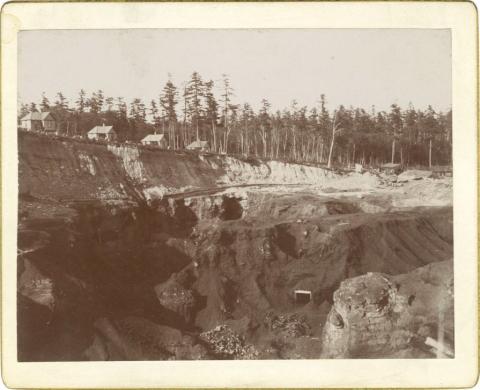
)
(100, 99)
(81, 102)
(430, 129)
(226, 99)
(61, 101)
(264, 123)
(194, 94)
(154, 113)
(121, 107)
(93, 103)
(168, 102)
(45, 104)
(246, 119)
(32, 107)
(109, 103)
(137, 110)
(24, 110)
(211, 111)
(396, 126)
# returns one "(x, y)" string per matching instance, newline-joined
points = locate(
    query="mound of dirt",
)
(414, 174)
(427, 192)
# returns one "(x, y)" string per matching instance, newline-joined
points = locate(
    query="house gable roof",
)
(102, 130)
(47, 115)
(154, 138)
(38, 116)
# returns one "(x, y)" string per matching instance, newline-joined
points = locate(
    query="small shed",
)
(39, 121)
(156, 140)
(442, 170)
(199, 145)
(102, 133)
(391, 168)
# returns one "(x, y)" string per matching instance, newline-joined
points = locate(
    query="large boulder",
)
(363, 318)
(403, 316)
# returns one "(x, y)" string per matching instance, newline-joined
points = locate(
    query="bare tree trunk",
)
(393, 151)
(214, 136)
(294, 144)
(196, 122)
(430, 154)
(334, 130)
(329, 164)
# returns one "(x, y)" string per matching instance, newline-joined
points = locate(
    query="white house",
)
(39, 121)
(155, 139)
(199, 145)
(102, 133)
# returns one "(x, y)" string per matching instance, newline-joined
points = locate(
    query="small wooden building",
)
(39, 121)
(102, 133)
(156, 140)
(199, 145)
(391, 168)
(442, 170)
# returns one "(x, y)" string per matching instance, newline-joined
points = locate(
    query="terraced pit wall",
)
(80, 170)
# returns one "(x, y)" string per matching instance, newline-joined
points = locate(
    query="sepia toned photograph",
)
(188, 194)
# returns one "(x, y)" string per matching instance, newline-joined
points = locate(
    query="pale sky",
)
(350, 66)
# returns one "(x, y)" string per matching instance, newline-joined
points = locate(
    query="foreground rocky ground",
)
(136, 254)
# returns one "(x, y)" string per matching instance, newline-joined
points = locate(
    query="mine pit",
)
(255, 272)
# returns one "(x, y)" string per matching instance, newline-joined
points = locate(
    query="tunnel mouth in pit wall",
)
(302, 297)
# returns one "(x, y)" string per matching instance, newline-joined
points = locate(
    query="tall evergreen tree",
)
(211, 111)
(395, 126)
(194, 95)
(45, 104)
(81, 101)
(168, 102)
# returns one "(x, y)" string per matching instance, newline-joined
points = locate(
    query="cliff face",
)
(77, 170)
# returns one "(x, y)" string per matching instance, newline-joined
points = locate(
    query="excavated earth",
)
(129, 253)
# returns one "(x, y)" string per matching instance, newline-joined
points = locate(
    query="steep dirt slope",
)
(68, 169)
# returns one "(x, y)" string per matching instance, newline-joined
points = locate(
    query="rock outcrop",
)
(363, 318)
(390, 316)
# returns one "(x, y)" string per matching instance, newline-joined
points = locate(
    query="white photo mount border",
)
(460, 17)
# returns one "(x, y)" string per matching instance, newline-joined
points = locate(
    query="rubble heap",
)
(287, 325)
(227, 344)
